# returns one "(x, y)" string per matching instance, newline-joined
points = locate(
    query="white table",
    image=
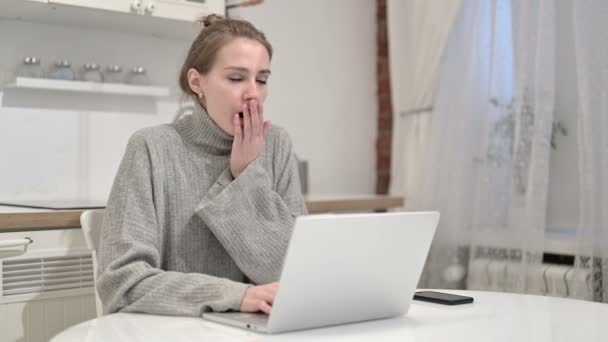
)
(493, 317)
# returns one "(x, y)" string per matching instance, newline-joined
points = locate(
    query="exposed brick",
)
(382, 59)
(383, 161)
(385, 105)
(383, 143)
(382, 185)
(382, 68)
(386, 96)
(383, 50)
(385, 114)
(384, 173)
(384, 134)
(386, 176)
(385, 117)
(385, 124)
(384, 86)
(381, 9)
(382, 34)
(386, 155)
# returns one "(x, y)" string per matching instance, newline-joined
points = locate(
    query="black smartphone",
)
(442, 298)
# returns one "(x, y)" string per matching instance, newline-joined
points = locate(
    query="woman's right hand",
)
(248, 139)
(259, 298)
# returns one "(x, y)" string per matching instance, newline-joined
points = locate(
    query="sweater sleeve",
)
(252, 217)
(130, 275)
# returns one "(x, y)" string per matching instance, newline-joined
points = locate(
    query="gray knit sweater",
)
(180, 235)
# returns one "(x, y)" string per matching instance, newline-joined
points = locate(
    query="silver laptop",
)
(344, 268)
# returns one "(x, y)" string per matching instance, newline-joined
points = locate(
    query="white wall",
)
(323, 86)
(322, 90)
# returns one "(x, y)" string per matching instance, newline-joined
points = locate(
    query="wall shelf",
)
(88, 87)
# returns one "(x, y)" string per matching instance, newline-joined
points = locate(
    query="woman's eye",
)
(236, 79)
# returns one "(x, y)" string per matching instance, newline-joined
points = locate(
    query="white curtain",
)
(486, 159)
(480, 151)
(591, 45)
(418, 32)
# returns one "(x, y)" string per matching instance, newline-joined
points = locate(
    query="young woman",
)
(201, 210)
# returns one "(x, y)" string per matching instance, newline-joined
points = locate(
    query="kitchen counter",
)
(16, 219)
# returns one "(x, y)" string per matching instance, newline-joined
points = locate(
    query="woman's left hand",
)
(248, 138)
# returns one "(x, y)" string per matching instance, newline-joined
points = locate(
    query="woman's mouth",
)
(241, 115)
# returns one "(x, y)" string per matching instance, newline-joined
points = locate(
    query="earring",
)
(200, 96)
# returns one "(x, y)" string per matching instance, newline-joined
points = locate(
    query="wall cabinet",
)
(162, 18)
(184, 10)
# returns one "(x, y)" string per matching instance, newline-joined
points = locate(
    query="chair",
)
(91, 221)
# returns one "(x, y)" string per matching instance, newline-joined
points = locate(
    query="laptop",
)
(345, 268)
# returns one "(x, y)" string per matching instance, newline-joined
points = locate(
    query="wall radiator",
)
(46, 285)
(556, 280)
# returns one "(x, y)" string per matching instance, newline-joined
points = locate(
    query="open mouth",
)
(241, 115)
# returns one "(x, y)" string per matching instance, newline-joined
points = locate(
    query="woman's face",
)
(238, 76)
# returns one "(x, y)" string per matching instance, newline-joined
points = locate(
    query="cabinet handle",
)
(150, 7)
(136, 5)
(17, 242)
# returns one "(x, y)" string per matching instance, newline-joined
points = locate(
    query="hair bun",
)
(212, 18)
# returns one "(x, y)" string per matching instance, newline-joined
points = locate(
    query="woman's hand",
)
(248, 138)
(259, 298)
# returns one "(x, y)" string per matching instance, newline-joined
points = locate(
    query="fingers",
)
(256, 126)
(246, 122)
(260, 298)
(268, 295)
(265, 307)
(253, 120)
(266, 127)
(261, 116)
(238, 132)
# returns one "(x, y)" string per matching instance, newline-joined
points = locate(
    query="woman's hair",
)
(217, 32)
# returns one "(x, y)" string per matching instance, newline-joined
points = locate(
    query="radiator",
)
(46, 286)
(541, 279)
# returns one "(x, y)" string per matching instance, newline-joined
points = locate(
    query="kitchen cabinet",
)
(124, 6)
(162, 18)
(184, 10)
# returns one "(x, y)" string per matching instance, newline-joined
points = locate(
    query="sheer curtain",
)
(509, 217)
(489, 144)
(418, 33)
(591, 40)
(480, 151)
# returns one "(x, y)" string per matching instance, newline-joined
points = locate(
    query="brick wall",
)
(385, 115)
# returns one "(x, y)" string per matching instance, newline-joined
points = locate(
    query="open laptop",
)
(343, 268)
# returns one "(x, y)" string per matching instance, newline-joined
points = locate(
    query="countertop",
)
(16, 219)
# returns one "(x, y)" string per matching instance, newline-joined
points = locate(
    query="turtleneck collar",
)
(200, 129)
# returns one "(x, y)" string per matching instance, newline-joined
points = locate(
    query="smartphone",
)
(442, 298)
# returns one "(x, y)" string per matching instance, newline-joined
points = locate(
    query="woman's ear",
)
(195, 81)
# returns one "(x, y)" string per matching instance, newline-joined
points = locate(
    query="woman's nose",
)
(252, 92)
